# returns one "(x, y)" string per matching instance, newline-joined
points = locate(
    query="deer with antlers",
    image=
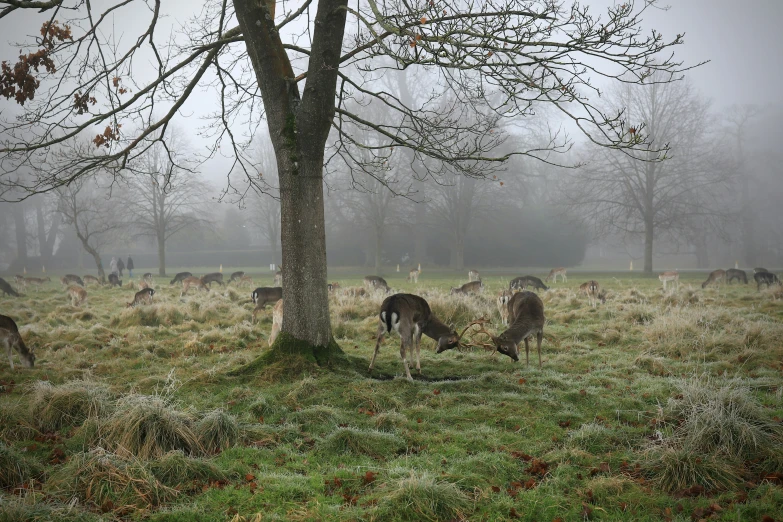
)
(411, 317)
(526, 314)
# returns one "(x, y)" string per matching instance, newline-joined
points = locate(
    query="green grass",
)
(653, 406)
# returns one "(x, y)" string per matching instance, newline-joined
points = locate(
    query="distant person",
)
(129, 266)
(120, 266)
(113, 265)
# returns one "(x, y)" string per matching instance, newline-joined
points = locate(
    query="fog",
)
(724, 170)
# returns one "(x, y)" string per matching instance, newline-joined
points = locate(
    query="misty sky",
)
(741, 40)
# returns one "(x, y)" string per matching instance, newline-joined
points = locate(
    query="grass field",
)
(654, 406)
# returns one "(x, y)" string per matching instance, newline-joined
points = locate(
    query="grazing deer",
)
(413, 275)
(593, 292)
(192, 281)
(410, 316)
(181, 276)
(147, 277)
(7, 289)
(765, 278)
(36, 281)
(355, 291)
(759, 269)
(144, 284)
(143, 296)
(264, 295)
(474, 287)
(669, 277)
(716, 276)
(524, 282)
(560, 271)
(277, 321)
(12, 339)
(473, 275)
(331, 287)
(114, 280)
(526, 314)
(245, 280)
(373, 283)
(503, 298)
(214, 277)
(735, 273)
(70, 279)
(78, 295)
(88, 279)
(19, 279)
(236, 276)
(279, 278)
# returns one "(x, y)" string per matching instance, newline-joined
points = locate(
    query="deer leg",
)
(402, 355)
(539, 338)
(381, 331)
(418, 349)
(527, 351)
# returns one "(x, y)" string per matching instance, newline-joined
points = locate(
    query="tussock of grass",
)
(359, 442)
(149, 427)
(592, 437)
(676, 468)
(68, 404)
(110, 482)
(390, 421)
(217, 431)
(317, 415)
(423, 497)
(175, 468)
(15, 468)
(14, 509)
(15, 422)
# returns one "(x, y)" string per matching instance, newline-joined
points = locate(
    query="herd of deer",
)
(521, 311)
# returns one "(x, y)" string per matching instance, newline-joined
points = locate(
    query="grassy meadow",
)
(654, 406)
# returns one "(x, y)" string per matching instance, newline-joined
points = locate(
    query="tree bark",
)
(95, 255)
(457, 261)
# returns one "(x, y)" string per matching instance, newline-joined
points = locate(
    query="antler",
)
(481, 330)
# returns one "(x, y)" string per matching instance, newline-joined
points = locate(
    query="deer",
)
(765, 278)
(279, 278)
(144, 284)
(355, 291)
(37, 281)
(114, 280)
(474, 287)
(19, 279)
(503, 298)
(12, 340)
(7, 289)
(735, 273)
(473, 275)
(192, 281)
(526, 315)
(413, 275)
(331, 287)
(716, 276)
(374, 283)
(245, 280)
(181, 276)
(71, 279)
(593, 292)
(89, 279)
(524, 282)
(78, 295)
(759, 269)
(263, 296)
(147, 277)
(669, 277)
(411, 317)
(277, 321)
(560, 271)
(214, 277)
(143, 296)
(236, 276)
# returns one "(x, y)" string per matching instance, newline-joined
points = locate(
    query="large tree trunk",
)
(95, 255)
(46, 240)
(457, 261)
(299, 127)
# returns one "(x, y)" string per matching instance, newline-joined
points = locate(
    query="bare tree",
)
(163, 199)
(659, 195)
(300, 67)
(86, 206)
